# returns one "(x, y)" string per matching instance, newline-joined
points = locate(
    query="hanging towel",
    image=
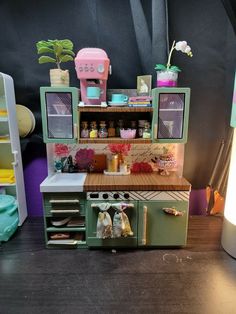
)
(104, 225)
(118, 225)
(101, 206)
(127, 228)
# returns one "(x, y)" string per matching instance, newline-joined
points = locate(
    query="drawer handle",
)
(144, 238)
(172, 211)
(64, 201)
(68, 211)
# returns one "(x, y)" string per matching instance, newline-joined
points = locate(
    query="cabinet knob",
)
(105, 196)
(116, 195)
(126, 195)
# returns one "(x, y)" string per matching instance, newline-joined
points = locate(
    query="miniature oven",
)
(92, 66)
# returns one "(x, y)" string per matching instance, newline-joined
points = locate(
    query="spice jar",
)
(84, 129)
(141, 127)
(93, 131)
(133, 124)
(103, 130)
(120, 125)
(146, 130)
(111, 129)
(112, 163)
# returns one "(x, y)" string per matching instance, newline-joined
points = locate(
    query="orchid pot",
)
(167, 75)
(167, 78)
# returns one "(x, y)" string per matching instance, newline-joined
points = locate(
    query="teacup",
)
(93, 92)
(119, 98)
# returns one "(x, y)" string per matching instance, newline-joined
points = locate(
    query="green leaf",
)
(46, 59)
(69, 52)
(66, 58)
(57, 49)
(174, 68)
(45, 49)
(160, 67)
(66, 43)
(43, 44)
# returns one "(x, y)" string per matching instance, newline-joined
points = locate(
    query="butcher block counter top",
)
(135, 182)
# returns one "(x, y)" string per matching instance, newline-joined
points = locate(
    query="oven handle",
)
(144, 237)
(130, 205)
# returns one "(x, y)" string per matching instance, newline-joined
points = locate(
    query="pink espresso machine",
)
(92, 66)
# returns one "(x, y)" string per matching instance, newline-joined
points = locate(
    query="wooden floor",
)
(200, 278)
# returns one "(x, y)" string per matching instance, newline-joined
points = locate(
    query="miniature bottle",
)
(120, 125)
(93, 133)
(141, 127)
(146, 130)
(84, 129)
(103, 130)
(133, 125)
(111, 129)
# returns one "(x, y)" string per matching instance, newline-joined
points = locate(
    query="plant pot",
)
(167, 78)
(59, 77)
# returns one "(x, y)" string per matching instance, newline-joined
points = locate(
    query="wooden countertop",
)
(135, 182)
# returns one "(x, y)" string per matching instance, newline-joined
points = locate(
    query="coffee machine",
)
(92, 66)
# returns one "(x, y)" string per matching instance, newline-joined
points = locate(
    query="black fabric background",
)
(109, 25)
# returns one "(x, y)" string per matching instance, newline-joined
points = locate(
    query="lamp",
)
(228, 238)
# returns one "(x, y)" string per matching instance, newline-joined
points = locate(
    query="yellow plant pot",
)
(59, 77)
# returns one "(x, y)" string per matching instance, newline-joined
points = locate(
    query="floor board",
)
(200, 278)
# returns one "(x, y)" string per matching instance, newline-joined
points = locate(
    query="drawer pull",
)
(75, 201)
(144, 238)
(60, 242)
(67, 211)
(172, 211)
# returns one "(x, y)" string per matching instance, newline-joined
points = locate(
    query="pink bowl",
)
(129, 133)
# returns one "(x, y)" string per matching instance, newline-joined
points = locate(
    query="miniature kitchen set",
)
(115, 162)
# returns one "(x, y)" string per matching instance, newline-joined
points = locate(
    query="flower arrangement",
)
(84, 158)
(61, 150)
(122, 149)
(178, 46)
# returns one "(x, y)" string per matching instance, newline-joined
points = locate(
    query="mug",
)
(118, 98)
(93, 92)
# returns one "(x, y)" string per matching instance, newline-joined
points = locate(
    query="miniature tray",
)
(116, 173)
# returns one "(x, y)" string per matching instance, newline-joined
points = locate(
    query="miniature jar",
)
(141, 127)
(84, 129)
(111, 129)
(93, 133)
(112, 163)
(120, 125)
(103, 133)
(146, 130)
(133, 125)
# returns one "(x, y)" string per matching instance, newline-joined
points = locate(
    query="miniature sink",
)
(64, 182)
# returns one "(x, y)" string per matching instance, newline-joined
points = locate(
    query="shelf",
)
(65, 229)
(171, 109)
(114, 140)
(7, 184)
(116, 109)
(59, 115)
(3, 119)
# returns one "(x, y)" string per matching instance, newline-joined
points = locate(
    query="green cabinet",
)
(170, 114)
(157, 228)
(91, 218)
(59, 114)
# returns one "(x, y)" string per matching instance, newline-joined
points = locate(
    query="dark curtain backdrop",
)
(135, 34)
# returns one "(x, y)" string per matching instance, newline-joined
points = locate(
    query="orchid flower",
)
(179, 46)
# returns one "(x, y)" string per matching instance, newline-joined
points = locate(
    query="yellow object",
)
(25, 120)
(7, 176)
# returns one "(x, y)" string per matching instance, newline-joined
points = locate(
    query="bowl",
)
(127, 134)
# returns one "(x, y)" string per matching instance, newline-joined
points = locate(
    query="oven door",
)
(91, 230)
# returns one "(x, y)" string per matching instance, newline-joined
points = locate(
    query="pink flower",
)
(61, 150)
(119, 148)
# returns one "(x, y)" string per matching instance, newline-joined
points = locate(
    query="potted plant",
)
(167, 75)
(62, 51)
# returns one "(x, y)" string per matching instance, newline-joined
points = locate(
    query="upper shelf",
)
(115, 109)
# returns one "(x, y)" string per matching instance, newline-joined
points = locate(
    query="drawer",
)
(64, 203)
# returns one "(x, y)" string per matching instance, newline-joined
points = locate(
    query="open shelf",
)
(115, 109)
(114, 140)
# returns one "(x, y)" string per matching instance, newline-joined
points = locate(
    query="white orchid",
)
(179, 46)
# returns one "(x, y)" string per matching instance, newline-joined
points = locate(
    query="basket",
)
(127, 134)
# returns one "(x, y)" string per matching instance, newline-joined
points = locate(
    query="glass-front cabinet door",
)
(59, 114)
(171, 112)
